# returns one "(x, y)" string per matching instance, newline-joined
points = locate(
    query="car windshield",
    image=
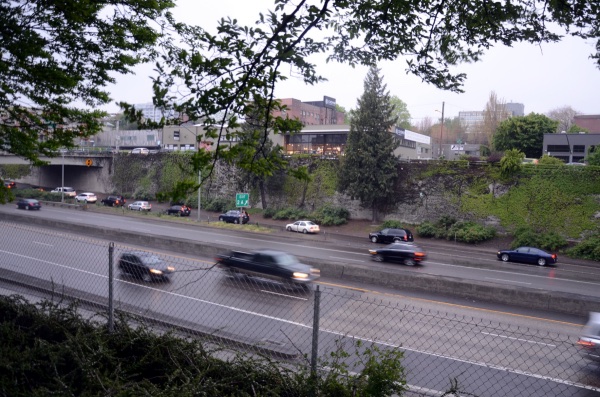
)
(285, 259)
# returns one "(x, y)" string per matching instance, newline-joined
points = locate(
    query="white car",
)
(68, 191)
(86, 198)
(303, 227)
(140, 150)
(140, 205)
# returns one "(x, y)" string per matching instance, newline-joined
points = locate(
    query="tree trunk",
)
(263, 196)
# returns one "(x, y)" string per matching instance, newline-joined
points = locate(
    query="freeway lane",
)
(486, 356)
(443, 260)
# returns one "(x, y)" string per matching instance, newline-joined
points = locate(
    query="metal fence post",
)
(111, 324)
(315, 334)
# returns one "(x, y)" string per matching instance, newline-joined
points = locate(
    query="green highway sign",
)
(242, 199)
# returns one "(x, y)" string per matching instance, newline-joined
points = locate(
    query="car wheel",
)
(220, 219)
(378, 258)
(139, 209)
(181, 214)
(504, 257)
(236, 221)
(27, 208)
(410, 262)
(397, 240)
(374, 239)
(541, 262)
(304, 231)
(289, 229)
(146, 277)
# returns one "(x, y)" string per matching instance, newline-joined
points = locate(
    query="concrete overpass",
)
(83, 170)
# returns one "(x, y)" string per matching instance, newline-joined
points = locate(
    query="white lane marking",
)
(286, 295)
(47, 245)
(346, 259)
(309, 326)
(519, 339)
(508, 281)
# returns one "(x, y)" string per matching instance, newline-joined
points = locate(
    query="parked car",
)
(68, 191)
(391, 235)
(140, 150)
(407, 253)
(232, 216)
(29, 204)
(10, 184)
(113, 201)
(140, 206)
(181, 210)
(144, 265)
(589, 341)
(303, 227)
(86, 198)
(528, 255)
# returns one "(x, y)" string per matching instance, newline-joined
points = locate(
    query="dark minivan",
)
(389, 235)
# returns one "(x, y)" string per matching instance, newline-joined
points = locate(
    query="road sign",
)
(88, 162)
(242, 199)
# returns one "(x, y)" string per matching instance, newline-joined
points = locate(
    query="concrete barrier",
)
(532, 298)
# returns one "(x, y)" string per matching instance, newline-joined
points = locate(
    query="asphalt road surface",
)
(516, 356)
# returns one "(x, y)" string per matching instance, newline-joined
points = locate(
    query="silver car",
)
(86, 198)
(589, 341)
(140, 206)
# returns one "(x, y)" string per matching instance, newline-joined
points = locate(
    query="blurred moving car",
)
(113, 201)
(68, 191)
(140, 206)
(144, 265)
(86, 198)
(181, 210)
(10, 184)
(269, 264)
(528, 255)
(589, 341)
(140, 150)
(232, 216)
(29, 204)
(303, 227)
(391, 235)
(407, 253)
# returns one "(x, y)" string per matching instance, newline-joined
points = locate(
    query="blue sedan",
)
(528, 255)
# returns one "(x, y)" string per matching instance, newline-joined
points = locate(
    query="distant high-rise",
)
(473, 119)
(152, 113)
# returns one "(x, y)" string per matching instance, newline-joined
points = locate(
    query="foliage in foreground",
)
(550, 241)
(49, 349)
(589, 248)
(327, 215)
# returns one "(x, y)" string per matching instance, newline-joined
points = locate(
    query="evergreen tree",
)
(368, 169)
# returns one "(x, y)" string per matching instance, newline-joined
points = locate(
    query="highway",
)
(443, 260)
(490, 354)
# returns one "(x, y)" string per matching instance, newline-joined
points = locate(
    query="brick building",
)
(312, 112)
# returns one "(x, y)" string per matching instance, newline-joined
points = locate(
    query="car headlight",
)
(156, 271)
(300, 275)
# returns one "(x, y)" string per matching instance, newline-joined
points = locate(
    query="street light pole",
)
(62, 190)
(442, 133)
(199, 192)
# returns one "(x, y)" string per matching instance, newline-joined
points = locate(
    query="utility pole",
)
(442, 133)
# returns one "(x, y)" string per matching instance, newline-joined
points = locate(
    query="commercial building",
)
(590, 122)
(472, 120)
(312, 112)
(570, 148)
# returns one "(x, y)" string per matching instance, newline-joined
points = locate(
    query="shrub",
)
(528, 237)
(219, 204)
(426, 229)
(589, 248)
(329, 215)
(290, 213)
(470, 232)
(269, 212)
(392, 224)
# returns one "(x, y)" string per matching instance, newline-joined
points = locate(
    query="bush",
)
(392, 224)
(269, 212)
(219, 204)
(470, 232)
(426, 229)
(329, 215)
(290, 213)
(528, 237)
(589, 248)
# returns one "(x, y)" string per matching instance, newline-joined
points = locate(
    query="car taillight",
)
(419, 254)
(116, 201)
(585, 343)
(554, 256)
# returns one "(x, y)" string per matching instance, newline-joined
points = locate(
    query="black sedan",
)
(528, 255)
(181, 210)
(145, 266)
(390, 235)
(409, 254)
(29, 204)
(232, 216)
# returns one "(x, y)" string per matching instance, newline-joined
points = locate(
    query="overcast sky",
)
(542, 78)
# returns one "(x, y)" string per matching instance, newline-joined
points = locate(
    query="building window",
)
(578, 148)
(559, 148)
(175, 135)
(150, 138)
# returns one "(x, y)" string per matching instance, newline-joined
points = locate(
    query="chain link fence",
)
(293, 324)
